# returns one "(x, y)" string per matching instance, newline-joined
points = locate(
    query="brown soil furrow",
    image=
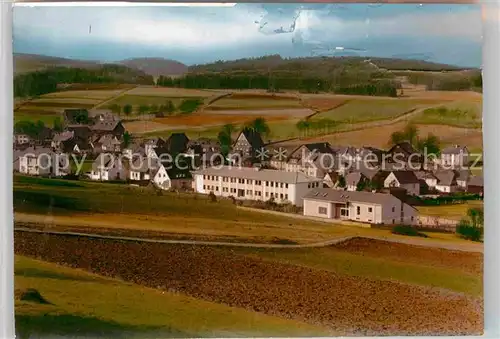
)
(350, 305)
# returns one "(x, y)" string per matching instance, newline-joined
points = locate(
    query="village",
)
(365, 185)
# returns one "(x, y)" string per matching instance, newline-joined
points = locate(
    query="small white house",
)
(359, 206)
(36, 161)
(403, 179)
(447, 181)
(146, 168)
(109, 167)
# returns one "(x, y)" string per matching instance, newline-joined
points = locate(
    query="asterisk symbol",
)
(262, 154)
(280, 153)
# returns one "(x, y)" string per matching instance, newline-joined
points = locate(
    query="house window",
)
(267, 183)
(322, 210)
(394, 209)
(370, 209)
(308, 185)
(286, 185)
(358, 210)
(393, 221)
(272, 183)
(249, 181)
(411, 218)
(217, 188)
(286, 196)
(281, 185)
(249, 192)
(267, 194)
(281, 196)
(344, 212)
(258, 182)
(204, 187)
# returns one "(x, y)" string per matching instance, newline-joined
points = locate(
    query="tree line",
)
(274, 82)
(46, 81)
(456, 81)
(186, 106)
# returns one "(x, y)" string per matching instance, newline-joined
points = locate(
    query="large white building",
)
(255, 184)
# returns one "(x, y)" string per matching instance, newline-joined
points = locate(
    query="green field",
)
(229, 103)
(375, 267)
(88, 304)
(451, 211)
(363, 110)
(90, 94)
(137, 100)
(460, 114)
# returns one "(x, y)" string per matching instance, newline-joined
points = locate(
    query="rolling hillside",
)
(24, 63)
(156, 66)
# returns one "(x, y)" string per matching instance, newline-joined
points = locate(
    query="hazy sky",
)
(440, 33)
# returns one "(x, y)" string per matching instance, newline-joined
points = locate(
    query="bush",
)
(468, 231)
(212, 197)
(407, 230)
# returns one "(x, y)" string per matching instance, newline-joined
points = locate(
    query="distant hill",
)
(156, 66)
(24, 63)
(319, 65)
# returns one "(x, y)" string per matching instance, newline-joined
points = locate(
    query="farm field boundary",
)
(335, 241)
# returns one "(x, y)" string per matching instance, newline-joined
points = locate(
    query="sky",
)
(193, 35)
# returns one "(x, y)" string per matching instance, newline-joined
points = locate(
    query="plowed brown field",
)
(349, 305)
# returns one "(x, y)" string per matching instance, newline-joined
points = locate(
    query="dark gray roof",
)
(422, 175)
(332, 195)
(406, 177)
(463, 174)
(105, 125)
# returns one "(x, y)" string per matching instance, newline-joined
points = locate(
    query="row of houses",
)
(326, 181)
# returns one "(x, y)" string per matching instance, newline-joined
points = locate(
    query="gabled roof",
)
(176, 143)
(105, 125)
(463, 174)
(446, 177)
(422, 175)
(406, 177)
(455, 149)
(332, 195)
(318, 148)
(405, 147)
(253, 138)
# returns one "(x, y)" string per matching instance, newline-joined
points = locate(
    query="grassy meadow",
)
(88, 304)
(91, 206)
(417, 271)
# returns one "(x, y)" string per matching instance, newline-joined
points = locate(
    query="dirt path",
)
(338, 240)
